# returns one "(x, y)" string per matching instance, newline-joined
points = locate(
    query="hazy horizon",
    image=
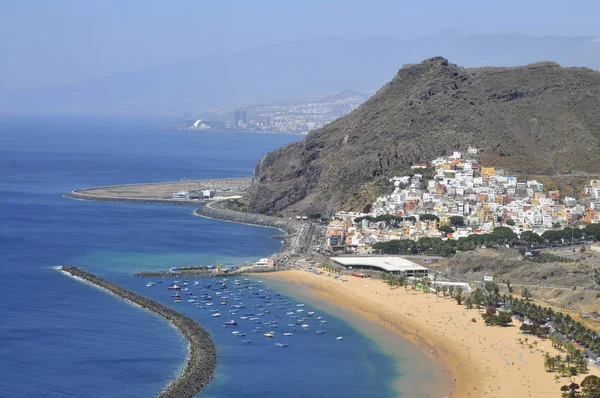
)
(57, 50)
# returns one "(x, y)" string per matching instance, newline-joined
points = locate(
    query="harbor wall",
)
(216, 210)
(205, 273)
(202, 358)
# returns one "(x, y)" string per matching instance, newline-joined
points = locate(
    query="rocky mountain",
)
(537, 119)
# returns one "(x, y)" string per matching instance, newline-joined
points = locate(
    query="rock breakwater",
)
(217, 210)
(202, 358)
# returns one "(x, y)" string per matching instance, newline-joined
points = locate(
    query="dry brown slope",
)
(539, 118)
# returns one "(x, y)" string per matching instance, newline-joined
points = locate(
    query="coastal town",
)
(296, 116)
(455, 196)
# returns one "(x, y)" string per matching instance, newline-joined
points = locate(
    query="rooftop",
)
(389, 264)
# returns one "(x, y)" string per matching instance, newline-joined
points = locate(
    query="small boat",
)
(231, 323)
(235, 333)
(281, 345)
(321, 331)
(150, 284)
(174, 287)
(269, 335)
(177, 300)
(216, 314)
(299, 305)
(339, 338)
(246, 341)
(288, 334)
(310, 313)
(305, 325)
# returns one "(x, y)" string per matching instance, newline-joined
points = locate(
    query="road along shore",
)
(202, 354)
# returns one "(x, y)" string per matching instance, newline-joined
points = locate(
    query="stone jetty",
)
(218, 211)
(202, 355)
(199, 273)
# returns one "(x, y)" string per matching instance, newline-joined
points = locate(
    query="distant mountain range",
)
(537, 119)
(292, 69)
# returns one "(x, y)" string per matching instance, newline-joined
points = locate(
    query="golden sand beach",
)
(483, 361)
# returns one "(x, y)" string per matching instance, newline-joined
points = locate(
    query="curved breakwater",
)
(217, 211)
(202, 357)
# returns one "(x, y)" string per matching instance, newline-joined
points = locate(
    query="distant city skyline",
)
(63, 42)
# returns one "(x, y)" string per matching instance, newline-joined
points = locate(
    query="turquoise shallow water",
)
(62, 338)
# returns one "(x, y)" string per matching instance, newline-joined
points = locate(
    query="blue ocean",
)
(63, 338)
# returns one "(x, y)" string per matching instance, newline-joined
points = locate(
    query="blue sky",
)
(45, 42)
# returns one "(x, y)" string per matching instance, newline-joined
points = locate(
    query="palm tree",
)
(548, 362)
(458, 295)
(563, 369)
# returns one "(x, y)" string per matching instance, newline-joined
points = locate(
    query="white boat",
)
(216, 314)
(149, 284)
(304, 325)
(299, 305)
(339, 338)
(310, 313)
(269, 335)
(288, 334)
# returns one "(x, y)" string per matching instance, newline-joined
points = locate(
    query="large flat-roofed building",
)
(393, 265)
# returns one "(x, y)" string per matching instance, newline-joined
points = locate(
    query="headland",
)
(202, 355)
(187, 192)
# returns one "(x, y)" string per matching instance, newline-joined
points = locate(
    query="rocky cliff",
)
(537, 119)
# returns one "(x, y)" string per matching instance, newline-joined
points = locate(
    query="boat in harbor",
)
(150, 284)
(231, 323)
(269, 335)
(174, 287)
(281, 345)
(288, 334)
(216, 314)
(321, 331)
(339, 338)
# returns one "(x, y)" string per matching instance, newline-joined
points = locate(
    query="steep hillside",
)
(537, 119)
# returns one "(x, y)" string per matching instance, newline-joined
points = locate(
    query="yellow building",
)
(488, 172)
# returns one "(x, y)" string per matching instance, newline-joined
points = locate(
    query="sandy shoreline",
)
(481, 361)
